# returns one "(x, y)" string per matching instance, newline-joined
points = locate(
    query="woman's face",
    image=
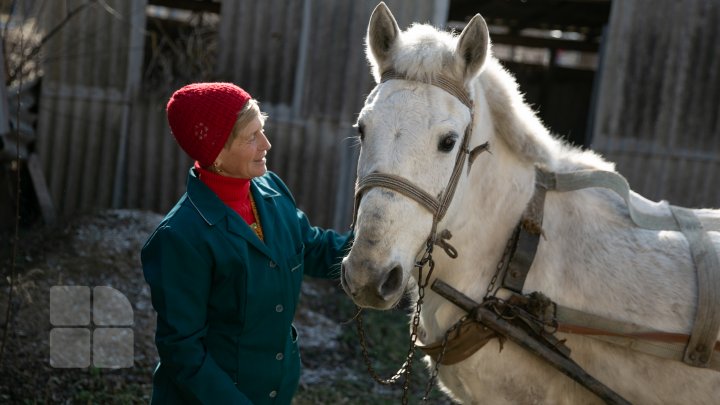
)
(245, 158)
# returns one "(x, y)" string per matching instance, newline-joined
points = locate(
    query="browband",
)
(440, 81)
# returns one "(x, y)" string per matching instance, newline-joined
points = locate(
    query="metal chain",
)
(405, 370)
(488, 300)
(446, 337)
(509, 246)
(366, 355)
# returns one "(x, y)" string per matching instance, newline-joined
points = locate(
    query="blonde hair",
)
(249, 112)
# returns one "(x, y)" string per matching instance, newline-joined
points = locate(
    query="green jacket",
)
(225, 300)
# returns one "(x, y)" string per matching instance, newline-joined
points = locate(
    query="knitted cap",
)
(201, 116)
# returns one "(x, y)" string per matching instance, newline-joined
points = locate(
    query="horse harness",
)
(531, 320)
(695, 350)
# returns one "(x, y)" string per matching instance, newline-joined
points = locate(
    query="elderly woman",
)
(225, 265)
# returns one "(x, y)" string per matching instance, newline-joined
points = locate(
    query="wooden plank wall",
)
(261, 43)
(85, 98)
(103, 145)
(315, 158)
(157, 168)
(305, 62)
(658, 113)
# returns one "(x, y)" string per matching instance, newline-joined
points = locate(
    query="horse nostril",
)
(392, 282)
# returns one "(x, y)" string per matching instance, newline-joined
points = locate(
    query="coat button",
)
(273, 394)
(272, 264)
(279, 356)
(279, 308)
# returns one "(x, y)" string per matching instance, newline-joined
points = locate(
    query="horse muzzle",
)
(378, 287)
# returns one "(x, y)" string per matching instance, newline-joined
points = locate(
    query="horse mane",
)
(423, 52)
(518, 125)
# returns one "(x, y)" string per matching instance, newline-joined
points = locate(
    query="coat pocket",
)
(295, 262)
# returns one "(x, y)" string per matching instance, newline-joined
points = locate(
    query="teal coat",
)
(225, 300)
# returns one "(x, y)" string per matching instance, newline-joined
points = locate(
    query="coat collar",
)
(263, 189)
(205, 202)
(213, 210)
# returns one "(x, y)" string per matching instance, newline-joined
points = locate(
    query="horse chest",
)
(492, 376)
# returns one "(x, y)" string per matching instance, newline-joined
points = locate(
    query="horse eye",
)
(447, 143)
(361, 130)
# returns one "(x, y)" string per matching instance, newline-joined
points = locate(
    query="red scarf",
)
(234, 192)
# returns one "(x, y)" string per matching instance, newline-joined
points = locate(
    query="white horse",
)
(591, 257)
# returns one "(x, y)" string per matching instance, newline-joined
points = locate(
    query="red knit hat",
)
(201, 116)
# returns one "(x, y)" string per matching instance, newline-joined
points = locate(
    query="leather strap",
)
(468, 338)
(660, 344)
(704, 333)
(443, 82)
(528, 237)
(644, 213)
(437, 206)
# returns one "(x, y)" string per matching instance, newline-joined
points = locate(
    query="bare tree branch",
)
(17, 71)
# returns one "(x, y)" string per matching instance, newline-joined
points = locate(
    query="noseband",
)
(436, 205)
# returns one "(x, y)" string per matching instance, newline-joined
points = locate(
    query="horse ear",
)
(382, 32)
(473, 46)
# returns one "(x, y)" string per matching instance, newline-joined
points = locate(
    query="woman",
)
(225, 265)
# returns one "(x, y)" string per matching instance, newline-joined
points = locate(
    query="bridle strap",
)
(437, 206)
(441, 81)
(455, 176)
(395, 183)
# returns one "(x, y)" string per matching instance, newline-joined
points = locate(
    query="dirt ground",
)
(102, 249)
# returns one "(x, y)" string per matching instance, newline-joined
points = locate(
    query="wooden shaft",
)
(523, 339)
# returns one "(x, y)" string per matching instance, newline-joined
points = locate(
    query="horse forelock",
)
(422, 52)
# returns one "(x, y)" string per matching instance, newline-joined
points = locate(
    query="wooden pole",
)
(524, 340)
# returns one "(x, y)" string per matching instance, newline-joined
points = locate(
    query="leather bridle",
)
(438, 206)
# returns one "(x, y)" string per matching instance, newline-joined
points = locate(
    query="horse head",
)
(413, 130)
